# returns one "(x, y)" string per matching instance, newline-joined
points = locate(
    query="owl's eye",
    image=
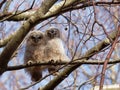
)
(36, 37)
(40, 37)
(52, 31)
(32, 37)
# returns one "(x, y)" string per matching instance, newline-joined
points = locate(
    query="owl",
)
(44, 47)
(54, 48)
(34, 50)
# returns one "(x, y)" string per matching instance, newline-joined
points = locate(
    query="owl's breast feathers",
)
(55, 50)
(35, 53)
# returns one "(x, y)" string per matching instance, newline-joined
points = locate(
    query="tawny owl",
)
(35, 45)
(54, 49)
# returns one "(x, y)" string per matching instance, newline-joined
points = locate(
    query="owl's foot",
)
(30, 62)
(51, 61)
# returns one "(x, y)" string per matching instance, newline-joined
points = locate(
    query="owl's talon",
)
(51, 61)
(29, 62)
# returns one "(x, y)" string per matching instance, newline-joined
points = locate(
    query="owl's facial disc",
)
(53, 33)
(36, 38)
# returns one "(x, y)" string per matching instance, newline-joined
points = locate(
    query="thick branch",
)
(53, 83)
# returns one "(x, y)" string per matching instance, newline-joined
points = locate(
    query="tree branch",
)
(82, 61)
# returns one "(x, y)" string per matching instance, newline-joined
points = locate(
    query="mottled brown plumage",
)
(34, 51)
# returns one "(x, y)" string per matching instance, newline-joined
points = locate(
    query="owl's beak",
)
(36, 39)
(52, 33)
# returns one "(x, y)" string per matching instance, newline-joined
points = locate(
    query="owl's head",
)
(36, 38)
(52, 33)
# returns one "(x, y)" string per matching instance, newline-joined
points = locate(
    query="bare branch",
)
(82, 61)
